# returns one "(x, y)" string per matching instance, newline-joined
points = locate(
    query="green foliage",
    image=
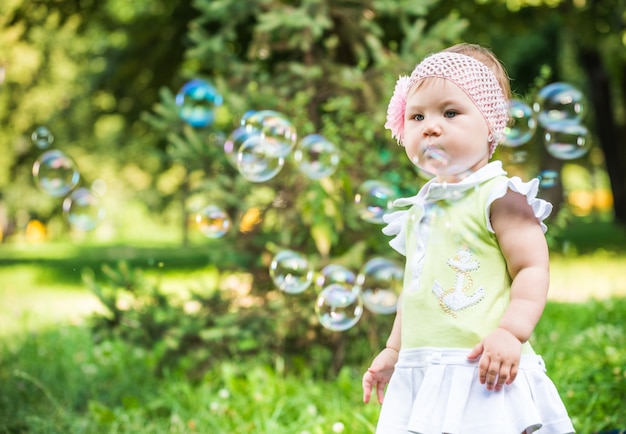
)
(181, 329)
(195, 329)
(88, 70)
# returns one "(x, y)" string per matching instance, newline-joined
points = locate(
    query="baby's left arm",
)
(524, 247)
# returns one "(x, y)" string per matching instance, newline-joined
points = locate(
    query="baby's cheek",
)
(412, 154)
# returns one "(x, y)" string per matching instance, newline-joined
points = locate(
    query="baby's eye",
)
(450, 114)
(418, 117)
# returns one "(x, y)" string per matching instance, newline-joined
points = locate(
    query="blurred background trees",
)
(102, 76)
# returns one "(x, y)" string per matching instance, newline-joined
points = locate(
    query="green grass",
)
(57, 380)
(60, 382)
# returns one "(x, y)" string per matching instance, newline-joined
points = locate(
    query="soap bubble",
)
(435, 162)
(339, 308)
(335, 273)
(522, 126)
(274, 126)
(518, 157)
(258, 160)
(567, 141)
(559, 103)
(374, 199)
(291, 272)
(196, 101)
(316, 156)
(245, 117)
(548, 178)
(55, 173)
(83, 209)
(42, 137)
(99, 186)
(380, 281)
(234, 141)
(212, 221)
(216, 138)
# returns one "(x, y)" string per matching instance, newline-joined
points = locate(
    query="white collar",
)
(433, 191)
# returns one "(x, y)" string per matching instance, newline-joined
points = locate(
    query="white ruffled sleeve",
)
(396, 226)
(541, 208)
(397, 223)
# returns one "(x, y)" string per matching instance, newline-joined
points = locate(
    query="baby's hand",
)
(379, 374)
(499, 353)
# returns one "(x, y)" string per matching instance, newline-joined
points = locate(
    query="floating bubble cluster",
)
(259, 146)
(341, 294)
(558, 112)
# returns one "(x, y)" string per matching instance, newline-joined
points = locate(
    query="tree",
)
(329, 66)
(85, 70)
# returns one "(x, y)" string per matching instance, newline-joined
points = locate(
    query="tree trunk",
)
(611, 137)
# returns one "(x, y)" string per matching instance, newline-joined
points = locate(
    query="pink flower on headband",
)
(395, 110)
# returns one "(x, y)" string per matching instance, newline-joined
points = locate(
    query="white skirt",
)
(436, 390)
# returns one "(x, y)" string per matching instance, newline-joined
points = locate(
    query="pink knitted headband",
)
(471, 75)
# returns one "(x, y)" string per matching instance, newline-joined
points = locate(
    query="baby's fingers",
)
(513, 374)
(367, 387)
(380, 391)
(491, 372)
(483, 367)
(507, 374)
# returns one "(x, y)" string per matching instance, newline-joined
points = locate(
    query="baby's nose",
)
(431, 127)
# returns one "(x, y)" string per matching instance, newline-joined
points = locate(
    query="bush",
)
(193, 331)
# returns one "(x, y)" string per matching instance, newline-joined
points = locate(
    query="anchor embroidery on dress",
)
(460, 296)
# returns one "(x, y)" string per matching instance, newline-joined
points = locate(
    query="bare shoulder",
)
(518, 232)
(510, 211)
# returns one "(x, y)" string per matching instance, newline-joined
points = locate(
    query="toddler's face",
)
(444, 132)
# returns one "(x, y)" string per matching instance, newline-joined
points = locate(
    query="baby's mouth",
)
(434, 153)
